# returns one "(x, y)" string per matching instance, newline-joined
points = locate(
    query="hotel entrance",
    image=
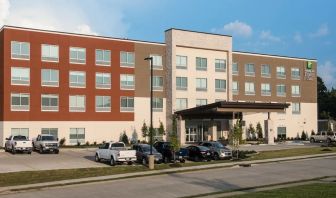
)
(196, 131)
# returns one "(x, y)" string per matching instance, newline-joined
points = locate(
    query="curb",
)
(9, 189)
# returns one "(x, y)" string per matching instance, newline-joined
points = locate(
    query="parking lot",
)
(84, 158)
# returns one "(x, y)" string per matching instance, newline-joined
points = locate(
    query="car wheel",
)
(166, 160)
(328, 141)
(29, 152)
(41, 150)
(144, 161)
(13, 150)
(312, 140)
(197, 159)
(56, 152)
(130, 163)
(216, 156)
(182, 160)
(97, 159)
(112, 162)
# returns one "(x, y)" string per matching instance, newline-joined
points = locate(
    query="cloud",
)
(322, 31)
(268, 37)
(85, 29)
(4, 11)
(327, 71)
(235, 28)
(298, 38)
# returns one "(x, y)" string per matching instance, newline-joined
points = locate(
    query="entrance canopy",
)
(226, 109)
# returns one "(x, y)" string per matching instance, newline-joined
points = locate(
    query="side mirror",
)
(7, 138)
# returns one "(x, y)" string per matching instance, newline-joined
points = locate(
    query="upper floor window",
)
(249, 70)
(127, 81)
(235, 68)
(77, 55)
(265, 89)
(220, 65)
(281, 90)
(49, 102)
(296, 108)
(20, 76)
(235, 87)
(127, 104)
(281, 72)
(181, 62)
(157, 83)
(50, 77)
(296, 73)
(76, 103)
(249, 88)
(200, 102)
(77, 79)
(181, 103)
(181, 83)
(20, 102)
(158, 104)
(220, 85)
(103, 80)
(265, 71)
(157, 61)
(103, 57)
(201, 63)
(103, 103)
(295, 90)
(20, 50)
(127, 59)
(50, 53)
(201, 84)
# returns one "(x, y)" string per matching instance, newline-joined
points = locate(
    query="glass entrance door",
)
(191, 134)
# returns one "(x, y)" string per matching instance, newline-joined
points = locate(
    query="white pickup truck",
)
(115, 152)
(323, 136)
(46, 143)
(18, 143)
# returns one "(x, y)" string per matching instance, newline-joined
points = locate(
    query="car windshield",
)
(48, 138)
(218, 145)
(117, 145)
(147, 149)
(203, 148)
(19, 137)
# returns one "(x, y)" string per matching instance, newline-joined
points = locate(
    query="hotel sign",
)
(309, 72)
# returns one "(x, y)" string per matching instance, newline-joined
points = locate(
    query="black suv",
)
(167, 152)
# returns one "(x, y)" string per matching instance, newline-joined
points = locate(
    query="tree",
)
(174, 142)
(251, 131)
(144, 130)
(134, 138)
(303, 135)
(312, 133)
(161, 129)
(325, 99)
(235, 136)
(124, 138)
(259, 130)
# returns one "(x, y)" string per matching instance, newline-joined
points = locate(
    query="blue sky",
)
(300, 28)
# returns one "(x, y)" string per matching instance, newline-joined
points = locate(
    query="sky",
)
(300, 28)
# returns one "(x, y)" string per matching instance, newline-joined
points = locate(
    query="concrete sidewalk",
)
(155, 172)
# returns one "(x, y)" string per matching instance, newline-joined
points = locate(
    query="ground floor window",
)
(50, 131)
(77, 135)
(20, 131)
(281, 133)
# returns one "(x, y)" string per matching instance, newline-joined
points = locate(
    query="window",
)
(201, 84)
(181, 62)
(281, 90)
(200, 102)
(20, 131)
(77, 55)
(281, 133)
(295, 90)
(181, 83)
(157, 83)
(157, 104)
(77, 103)
(127, 59)
(235, 68)
(220, 85)
(127, 104)
(49, 102)
(281, 73)
(235, 88)
(77, 79)
(20, 102)
(20, 76)
(157, 61)
(265, 89)
(49, 53)
(50, 77)
(265, 71)
(249, 70)
(296, 109)
(103, 57)
(103, 103)
(249, 88)
(296, 73)
(50, 131)
(77, 135)
(20, 50)
(127, 81)
(103, 80)
(181, 103)
(201, 64)
(220, 65)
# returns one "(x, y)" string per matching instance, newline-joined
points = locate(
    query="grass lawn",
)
(325, 190)
(30, 177)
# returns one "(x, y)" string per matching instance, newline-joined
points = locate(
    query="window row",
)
(77, 55)
(266, 89)
(201, 84)
(201, 63)
(77, 79)
(266, 71)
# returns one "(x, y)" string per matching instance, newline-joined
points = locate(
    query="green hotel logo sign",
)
(309, 65)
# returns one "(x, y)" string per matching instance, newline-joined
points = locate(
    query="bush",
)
(312, 132)
(95, 143)
(259, 130)
(87, 143)
(78, 143)
(303, 135)
(62, 142)
(124, 138)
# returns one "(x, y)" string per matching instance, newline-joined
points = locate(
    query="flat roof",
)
(197, 32)
(272, 55)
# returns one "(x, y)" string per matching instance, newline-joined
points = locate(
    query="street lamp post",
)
(151, 157)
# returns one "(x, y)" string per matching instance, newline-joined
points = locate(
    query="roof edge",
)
(274, 55)
(197, 32)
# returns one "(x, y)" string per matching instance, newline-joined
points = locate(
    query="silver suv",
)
(219, 151)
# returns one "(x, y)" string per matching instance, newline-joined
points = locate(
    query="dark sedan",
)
(142, 152)
(199, 153)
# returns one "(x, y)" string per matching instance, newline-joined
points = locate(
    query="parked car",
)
(18, 143)
(167, 152)
(199, 153)
(115, 152)
(323, 136)
(143, 151)
(219, 151)
(46, 143)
